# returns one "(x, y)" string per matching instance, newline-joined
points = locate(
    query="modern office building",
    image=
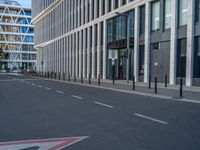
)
(16, 37)
(82, 37)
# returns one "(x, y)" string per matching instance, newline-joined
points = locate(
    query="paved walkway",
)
(173, 91)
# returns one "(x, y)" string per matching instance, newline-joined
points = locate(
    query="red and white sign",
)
(41, 144)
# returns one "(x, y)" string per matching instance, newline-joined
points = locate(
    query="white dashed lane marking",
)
(60, 92)
(150, 118)
(39, 86)
(47, 88)
(102, 104)
(77, 97)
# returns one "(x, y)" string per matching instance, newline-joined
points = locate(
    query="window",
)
(183, 9)
(197, 10)
(142, 20)
(181, 57)
(168, 14)
(155, 16)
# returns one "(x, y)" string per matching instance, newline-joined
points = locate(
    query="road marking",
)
(39, 86)
(28, 82)
(105, 105)
(33, 84)
(60, 92)
(77, 97)
(48, 88)
(45, 144)
(22, 81)
(150, 118)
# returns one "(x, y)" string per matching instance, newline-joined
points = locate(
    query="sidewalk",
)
(172, 91)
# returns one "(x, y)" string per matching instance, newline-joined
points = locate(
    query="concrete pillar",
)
(64, 55)
(136, 44)
(104, 48)
(190, 43)
(90, 10)
(70, 55)
(147, 42)
(113, 4)
(78, 15)
(80, 53)
(86, 10)
(84, 53)
(99, 50)
(173, 46)
(120, 3)
(88, 52)
(77, 48)
(93, 51)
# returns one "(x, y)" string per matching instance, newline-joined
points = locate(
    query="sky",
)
(25, 3)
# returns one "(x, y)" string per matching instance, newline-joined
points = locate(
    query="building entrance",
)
(117, 59)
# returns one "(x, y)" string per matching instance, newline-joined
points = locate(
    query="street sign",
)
(41, 144)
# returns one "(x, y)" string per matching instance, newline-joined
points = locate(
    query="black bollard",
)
(69, 77)
(99, 80)
(156, 88)
(81, 78)
(133, 88)
(89, 78)
(113, 74)
(181, 87)
(64, 76)
(166, 80)
(59, 75)
(55, 75)
(149, 82)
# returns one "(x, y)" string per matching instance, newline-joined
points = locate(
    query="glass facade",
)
(183, 10)
(117, 33)
(167, 14)
(155, 16)
(181, 57)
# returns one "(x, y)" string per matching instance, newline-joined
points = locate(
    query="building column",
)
(173, 46)
(190, 43)
(113, 5)
(93, 51)
(80, 53)
(77, 48)
(86, 10)
(73, 56)
(147, 42)
(70, 55)
(90, 10)
(99, 50)
(120, 3)
(136, 44)
(84, 53)
(88, 52)
(104, 48)
(64, 55)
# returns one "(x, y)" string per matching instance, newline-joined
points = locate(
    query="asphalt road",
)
(33, 108)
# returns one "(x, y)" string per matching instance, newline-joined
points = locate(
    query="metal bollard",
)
(99, 80)
(133, 88)
(64, 76)
(166, 80)
(149, 82)
(69, 77)
(81, 78)
(89, 78)
(181, 87)
(156, 88)
(55, 75)
(59, 75)
(113, 75)
(74, 78)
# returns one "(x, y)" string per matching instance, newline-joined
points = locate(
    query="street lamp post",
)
(127, 43)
